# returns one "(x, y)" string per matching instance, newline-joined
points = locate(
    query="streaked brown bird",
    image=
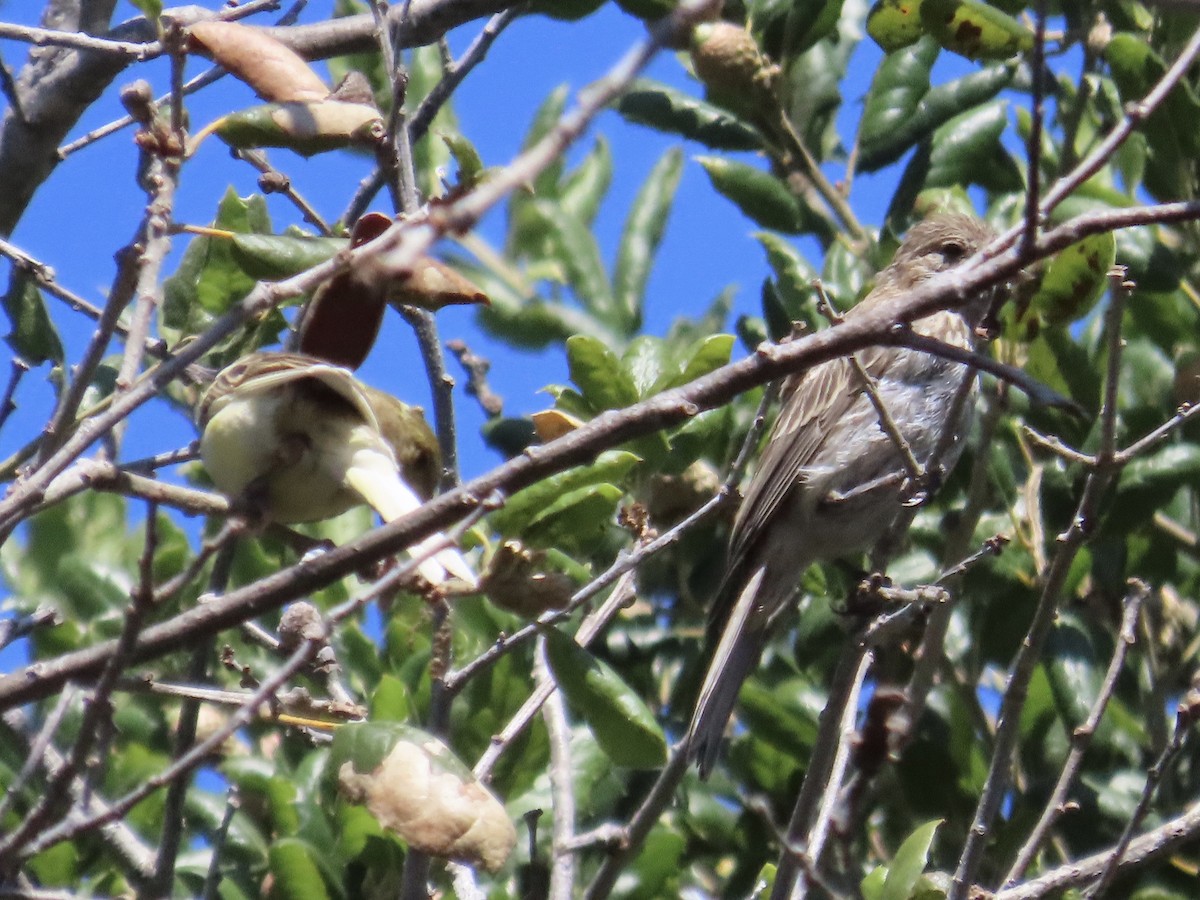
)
(830, 479)
(309, 441)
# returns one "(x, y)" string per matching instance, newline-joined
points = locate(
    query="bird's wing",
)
(814, 402)
(264, 372)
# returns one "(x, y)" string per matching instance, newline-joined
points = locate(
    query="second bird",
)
(829, 482)
(308, 441)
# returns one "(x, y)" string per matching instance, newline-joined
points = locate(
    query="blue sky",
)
(707, 245)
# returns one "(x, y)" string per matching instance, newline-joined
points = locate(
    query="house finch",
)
(310, 441)
(830, 480)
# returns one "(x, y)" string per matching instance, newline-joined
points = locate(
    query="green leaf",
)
(642, 235)
(275, 256)
(296, 873)
(901, 110)
(584, 188)
(1169, 130)
(466, 157)
(710, 354)
(546, 117)
(975, 29)
(574, 247)
(667, 109)
(1168, 469)
(33, 336)
(1073, 669)
(598, 373)
(895, 24)
(611, 467)
(644, 361)
(210, 279)
(151, 9)
(574, 519)
(899, 85)
(792, 287)
(872, 885)
(759, 195)
(967, 150)
(1075, 279)
(622, 724)
(909, 862)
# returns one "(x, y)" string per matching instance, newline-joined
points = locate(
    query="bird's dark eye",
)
(953, 252)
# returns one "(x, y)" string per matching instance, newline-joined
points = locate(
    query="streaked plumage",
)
(828, 481)
(311, 441)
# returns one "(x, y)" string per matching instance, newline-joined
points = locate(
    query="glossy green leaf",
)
(1074, 670)
(759, 195)
(32, 334)
(909, 862)
(899, 85)
(598, 373)
(784, 29)
(967, 150)
(642, 236)
(975, 29)
(1075, 279)
(210, 279)
(710, 354)
(895, 24)
(296, 873)
(644, 361)
(611, 467)
(275, 256)
(899, 113)
(667, 109)
(622, 724)
(1169, 468)
(574, 519)
(1169, 130)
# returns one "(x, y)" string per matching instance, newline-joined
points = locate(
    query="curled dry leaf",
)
(421, 792)
(275, 72)
(515, 581)
(308, 127)
(342, 321)
(672, 497)
(432, 284)
(551, 424)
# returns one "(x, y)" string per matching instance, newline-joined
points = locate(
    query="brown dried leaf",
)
(419, 795)
(276, 72)
(433, 284)
(513, 582)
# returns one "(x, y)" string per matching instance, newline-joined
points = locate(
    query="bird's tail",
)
(373, 475)
(736, 655)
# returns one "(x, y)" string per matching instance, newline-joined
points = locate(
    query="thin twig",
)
(1081, 737)
(1054, 580)
(186, 763)
(589, 629)
(554, 712)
